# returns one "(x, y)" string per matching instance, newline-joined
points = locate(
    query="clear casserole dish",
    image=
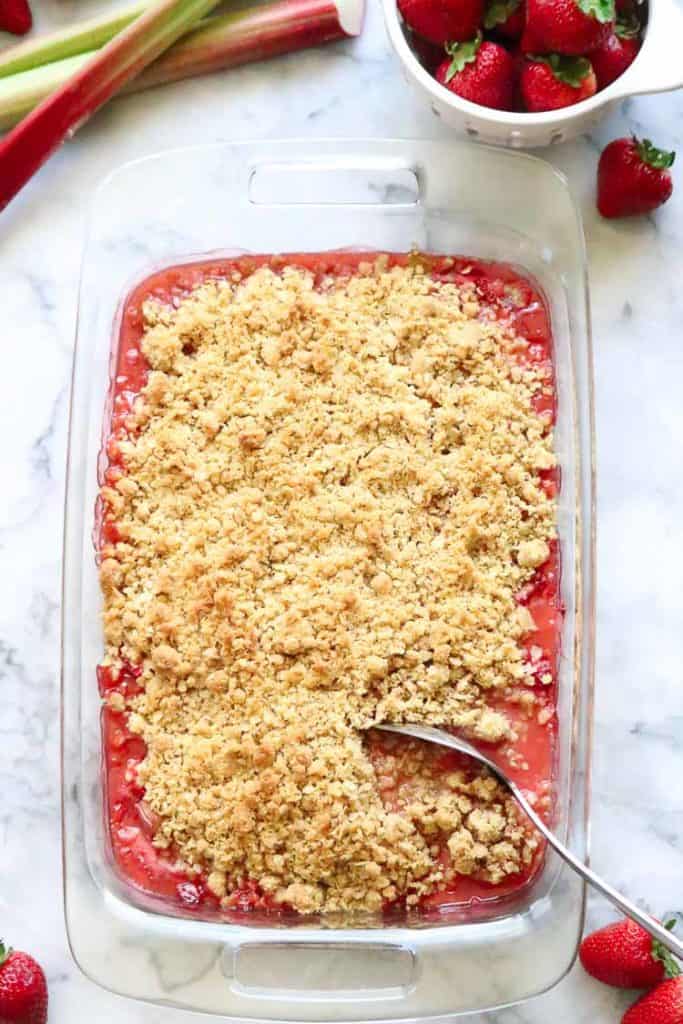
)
(315, 196)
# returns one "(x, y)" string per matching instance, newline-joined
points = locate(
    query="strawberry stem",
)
(672, 968)
(602, 10)
(499, 11)
(570, 70)
(661, 953)
(627, 26)
(5, 952)
(661, 159)
(462, 54)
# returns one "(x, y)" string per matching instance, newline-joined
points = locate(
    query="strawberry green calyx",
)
(570, 70)
(627, 26)
(499, 11)
(672, 968)
(462, 54)
(602, 10)
(5, 952)
(661, 159)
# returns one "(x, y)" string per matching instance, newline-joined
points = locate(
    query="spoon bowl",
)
(432, 734)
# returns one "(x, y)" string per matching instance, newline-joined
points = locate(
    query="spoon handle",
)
(655, 929)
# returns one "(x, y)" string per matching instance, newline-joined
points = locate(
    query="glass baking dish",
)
(304, 195)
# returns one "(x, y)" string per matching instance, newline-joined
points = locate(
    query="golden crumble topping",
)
(330, 500)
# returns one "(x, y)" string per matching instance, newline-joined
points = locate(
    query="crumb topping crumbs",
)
(330, 500)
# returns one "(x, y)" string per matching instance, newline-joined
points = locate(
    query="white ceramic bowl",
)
(657, 67)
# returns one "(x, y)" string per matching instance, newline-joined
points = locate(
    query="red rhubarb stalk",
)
(249, 35)
(35, 138)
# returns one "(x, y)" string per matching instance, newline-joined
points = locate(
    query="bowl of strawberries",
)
(534, 72)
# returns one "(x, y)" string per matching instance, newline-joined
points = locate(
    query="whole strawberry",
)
(553, 82)
(633, 178)
(441, 21)
(505, 17)
(15, 16)
(481, 72)
(23, 989)
(572, 27)
(663, 1005)
(617, 52)
(625, 956)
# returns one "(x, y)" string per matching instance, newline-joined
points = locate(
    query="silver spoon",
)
(445, 739)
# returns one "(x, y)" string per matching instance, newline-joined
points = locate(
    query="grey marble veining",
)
(350, 89)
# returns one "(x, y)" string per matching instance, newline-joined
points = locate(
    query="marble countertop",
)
(351, 89)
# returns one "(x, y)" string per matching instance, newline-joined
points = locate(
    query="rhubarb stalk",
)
(220, 42)
(35, 138)
(249, 35)
(83, 37)
(19, 94)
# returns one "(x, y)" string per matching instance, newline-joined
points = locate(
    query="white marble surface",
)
(351, 89)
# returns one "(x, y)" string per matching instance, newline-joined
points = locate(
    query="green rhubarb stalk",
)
(255, 33)
(83, 37)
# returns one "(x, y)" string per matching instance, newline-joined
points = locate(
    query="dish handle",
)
(658, 66)
(303, 971)
(355, 180)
